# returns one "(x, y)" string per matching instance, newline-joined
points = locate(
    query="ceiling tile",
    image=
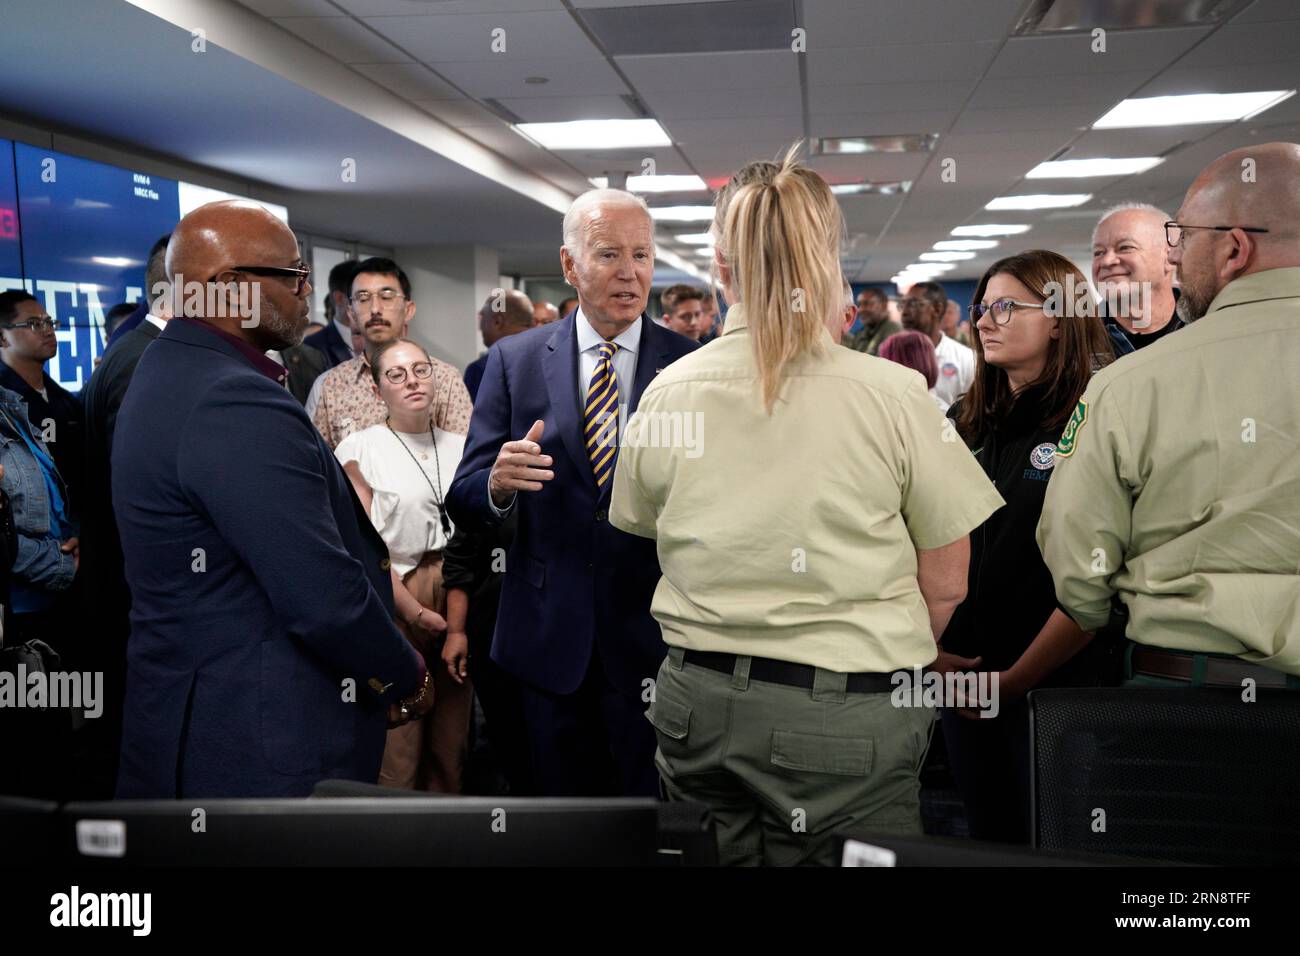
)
(1269, 10)
(1238, 78)
(557, 109)
(718, 133)
(453, 38)
(709, 71)
(1101, 91)
(292, 8)
(892, 97)
(882, 124)
(413, 81)
(903, 63)
(1126, 50)
(850, 23)
(344, 39)
(425, 8)
(1026, 118)
(1257, 42)
(721, 104)
(499, 79)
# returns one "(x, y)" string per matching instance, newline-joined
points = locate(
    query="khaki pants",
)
(783, 768)
(429, 753)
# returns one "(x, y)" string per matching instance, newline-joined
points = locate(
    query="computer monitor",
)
(364, 831)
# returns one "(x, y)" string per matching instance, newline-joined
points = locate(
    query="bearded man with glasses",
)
(1176, 479)
(343, 401)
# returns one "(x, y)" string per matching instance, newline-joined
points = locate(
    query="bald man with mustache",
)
(263, 656)
(1177, 482)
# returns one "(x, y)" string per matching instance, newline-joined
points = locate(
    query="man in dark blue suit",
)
(574, 623)
(262, 656)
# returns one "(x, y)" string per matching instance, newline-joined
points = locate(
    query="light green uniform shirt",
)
(1177, 484)
(794, 536)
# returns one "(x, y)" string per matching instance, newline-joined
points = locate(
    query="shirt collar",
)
(154, 320)
(268, 367)
(735, 320)
(1258, 286)
(629, 340)
(345, 333)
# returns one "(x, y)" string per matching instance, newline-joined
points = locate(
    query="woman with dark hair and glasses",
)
(1032, 362)
(401, 470)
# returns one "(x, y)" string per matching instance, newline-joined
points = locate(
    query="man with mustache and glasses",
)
(343, 401)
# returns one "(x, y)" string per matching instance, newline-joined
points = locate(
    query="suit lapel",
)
(652, 358)
(560, 368)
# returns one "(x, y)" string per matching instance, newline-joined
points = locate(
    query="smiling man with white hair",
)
(1133, 275)
(574, 623)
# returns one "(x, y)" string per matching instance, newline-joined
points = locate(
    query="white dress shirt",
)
(589, 340)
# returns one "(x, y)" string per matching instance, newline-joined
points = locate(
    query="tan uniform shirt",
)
(348, 402)
(1177, 484)
(794, 536)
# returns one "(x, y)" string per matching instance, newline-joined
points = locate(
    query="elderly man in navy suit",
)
(262, 657)
(574, 623)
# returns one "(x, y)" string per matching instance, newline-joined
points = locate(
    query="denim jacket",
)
(40, 564)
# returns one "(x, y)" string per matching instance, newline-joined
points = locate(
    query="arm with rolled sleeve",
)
(40, 564)
(272, 505)
(469, 501)
(632, 508)
(1087, 518)
(945, 493)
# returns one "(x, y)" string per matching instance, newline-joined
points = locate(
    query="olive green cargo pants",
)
(781, 767)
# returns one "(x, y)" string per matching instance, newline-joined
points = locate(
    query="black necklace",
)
(437, 464)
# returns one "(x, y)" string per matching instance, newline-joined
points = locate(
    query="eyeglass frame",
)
(385, 301)
(44, 320)
(402, 381)
(1180, 226)
(303, 272)
(974, 318)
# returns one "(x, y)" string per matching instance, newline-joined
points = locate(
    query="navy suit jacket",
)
(258, 587)
(329, 341)
(573, 583)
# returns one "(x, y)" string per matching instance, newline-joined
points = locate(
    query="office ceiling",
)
(719, 75)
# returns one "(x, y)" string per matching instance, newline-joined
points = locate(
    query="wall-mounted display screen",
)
(77, 234)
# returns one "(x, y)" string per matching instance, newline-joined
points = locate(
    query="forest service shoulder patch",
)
(1065, 447)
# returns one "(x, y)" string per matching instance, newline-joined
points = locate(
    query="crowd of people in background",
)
(308, 555)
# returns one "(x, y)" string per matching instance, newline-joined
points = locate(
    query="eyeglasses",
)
(39, 323)
(420, 370)
(1001, 309)
(386, 297)
(1174, 231)
(303, 273)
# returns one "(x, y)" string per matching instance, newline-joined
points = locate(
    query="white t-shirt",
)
(956, 368)
(403, 507)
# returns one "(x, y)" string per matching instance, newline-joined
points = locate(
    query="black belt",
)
(785, 672)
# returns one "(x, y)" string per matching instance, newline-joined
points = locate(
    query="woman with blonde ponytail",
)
(811, 510)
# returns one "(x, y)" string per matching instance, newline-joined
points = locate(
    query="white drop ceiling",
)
(1000, 104)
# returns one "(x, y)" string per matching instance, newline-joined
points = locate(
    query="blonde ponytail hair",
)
(779, 232)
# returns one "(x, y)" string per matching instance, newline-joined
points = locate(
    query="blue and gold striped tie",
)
(601, 416)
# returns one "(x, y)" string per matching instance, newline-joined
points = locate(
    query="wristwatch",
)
(406, 708)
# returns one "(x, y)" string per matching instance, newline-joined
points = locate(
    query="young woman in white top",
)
(401, 470)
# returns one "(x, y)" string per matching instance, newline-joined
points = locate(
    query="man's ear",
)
(567, 267)
(1241, 250)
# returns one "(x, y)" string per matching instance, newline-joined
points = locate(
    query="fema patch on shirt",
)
(1065, 447)
(1043, 457)
(948, 369)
